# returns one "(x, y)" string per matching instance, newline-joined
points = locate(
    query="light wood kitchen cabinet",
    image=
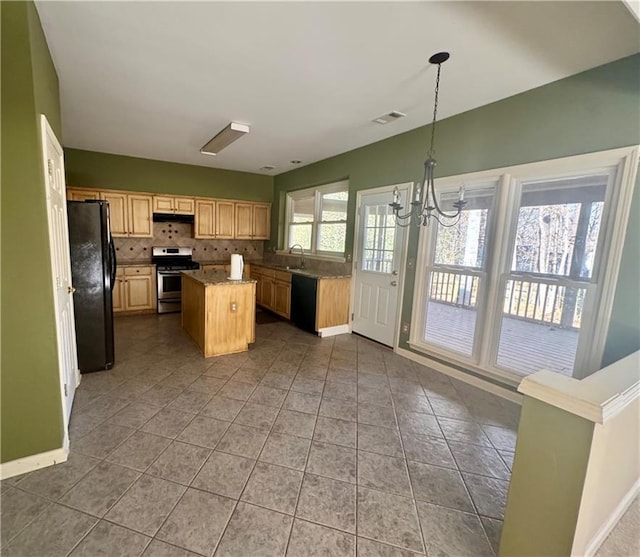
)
(253, 221)
(273, 289)
(134, 289)
(118, 213)
(77, 194)
(173, 204)
(332, 305)
(140, 216)
(118, 295)
(214, 219)
(225, 220)
(130, 213)
(205, 219)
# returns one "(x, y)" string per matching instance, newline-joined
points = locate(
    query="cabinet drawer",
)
(128, 271)
(271, 273)
(119, 271)
(283, 276)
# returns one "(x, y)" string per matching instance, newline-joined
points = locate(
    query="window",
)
(525, 280)
(317, 219)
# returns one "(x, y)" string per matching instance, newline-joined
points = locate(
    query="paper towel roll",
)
(237, 265)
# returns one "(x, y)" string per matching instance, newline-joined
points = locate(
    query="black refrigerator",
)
(93, 272)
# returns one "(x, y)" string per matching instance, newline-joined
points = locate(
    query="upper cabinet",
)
(130, 214)
(173, 204)
(118, 212)
(253, 221)
(77, 194)
(214, 219)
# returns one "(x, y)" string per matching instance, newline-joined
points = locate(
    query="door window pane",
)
(379, 238)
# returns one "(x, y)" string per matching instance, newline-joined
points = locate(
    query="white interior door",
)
(60, 267)
(378, 269)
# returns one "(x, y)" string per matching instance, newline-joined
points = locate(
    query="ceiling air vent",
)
(393, 115)
(267, 168)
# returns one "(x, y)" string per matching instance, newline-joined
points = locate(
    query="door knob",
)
(394, 283)
(71, 289)
(395, 273)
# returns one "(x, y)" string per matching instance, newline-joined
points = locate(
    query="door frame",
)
(407, 188)
(48, 133)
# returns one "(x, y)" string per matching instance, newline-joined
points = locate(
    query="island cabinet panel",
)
(218, 315)
(118, 217)
(225, 220)
(332, 302)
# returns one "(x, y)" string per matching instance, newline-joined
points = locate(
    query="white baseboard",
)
(332, 331)
(461, 376)
(34, 462)
(615, 517)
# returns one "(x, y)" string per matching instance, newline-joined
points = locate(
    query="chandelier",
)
(425, 203)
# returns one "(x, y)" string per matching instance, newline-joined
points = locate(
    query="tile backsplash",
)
(181, 235)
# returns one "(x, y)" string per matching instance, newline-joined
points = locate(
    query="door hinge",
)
(352, 317)
(66, 391)
(50, 167)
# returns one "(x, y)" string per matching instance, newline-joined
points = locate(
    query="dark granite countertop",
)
(215, 278)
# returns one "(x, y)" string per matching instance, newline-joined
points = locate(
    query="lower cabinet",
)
(134, 289)
(273, 290)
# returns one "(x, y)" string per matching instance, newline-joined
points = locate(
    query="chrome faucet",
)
(301, 253)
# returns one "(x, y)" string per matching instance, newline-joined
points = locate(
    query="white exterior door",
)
(378, 267)
(60, 267)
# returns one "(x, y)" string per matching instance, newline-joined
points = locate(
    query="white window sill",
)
(319, 257)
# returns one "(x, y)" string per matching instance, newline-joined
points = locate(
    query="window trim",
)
(610, 242)
(317, 193)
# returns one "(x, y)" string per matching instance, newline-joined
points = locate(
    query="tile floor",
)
(300, 447)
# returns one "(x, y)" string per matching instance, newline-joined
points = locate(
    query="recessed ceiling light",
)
(267, 167)
(223, 139)
(295, 161)
(386, 118)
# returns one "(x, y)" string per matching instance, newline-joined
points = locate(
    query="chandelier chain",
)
(435, 114)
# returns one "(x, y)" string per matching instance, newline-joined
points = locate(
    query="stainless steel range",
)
(170, 262)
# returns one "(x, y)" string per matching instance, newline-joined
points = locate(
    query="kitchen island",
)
(218, 313)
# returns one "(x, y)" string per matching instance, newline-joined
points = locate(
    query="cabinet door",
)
(117, 212)
(118, 296)
(162, 204)
(244, 221)
(184, 205)
(261, 222)
(268, 293)
(205, 220)
(139, 292)
(140, 224)
(283, 298)
(225, 220)
(74, 194)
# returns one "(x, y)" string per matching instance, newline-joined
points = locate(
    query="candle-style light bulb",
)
(461, 194)
(396, 196)
(418, 192)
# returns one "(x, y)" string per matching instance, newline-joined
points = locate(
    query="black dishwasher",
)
(303, 301)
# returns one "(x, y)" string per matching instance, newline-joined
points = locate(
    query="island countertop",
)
(215, 278)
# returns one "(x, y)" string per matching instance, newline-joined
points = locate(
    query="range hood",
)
(172, 217)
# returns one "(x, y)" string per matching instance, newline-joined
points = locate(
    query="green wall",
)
(552, 455)
(102, 170)
(31, 405)
(592, 111)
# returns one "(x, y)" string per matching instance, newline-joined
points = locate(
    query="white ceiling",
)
(158, 80)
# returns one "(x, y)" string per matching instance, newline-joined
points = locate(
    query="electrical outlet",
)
(348, 257)
(405, 328)
(234, 307)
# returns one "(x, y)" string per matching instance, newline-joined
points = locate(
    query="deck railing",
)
(535, 300)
